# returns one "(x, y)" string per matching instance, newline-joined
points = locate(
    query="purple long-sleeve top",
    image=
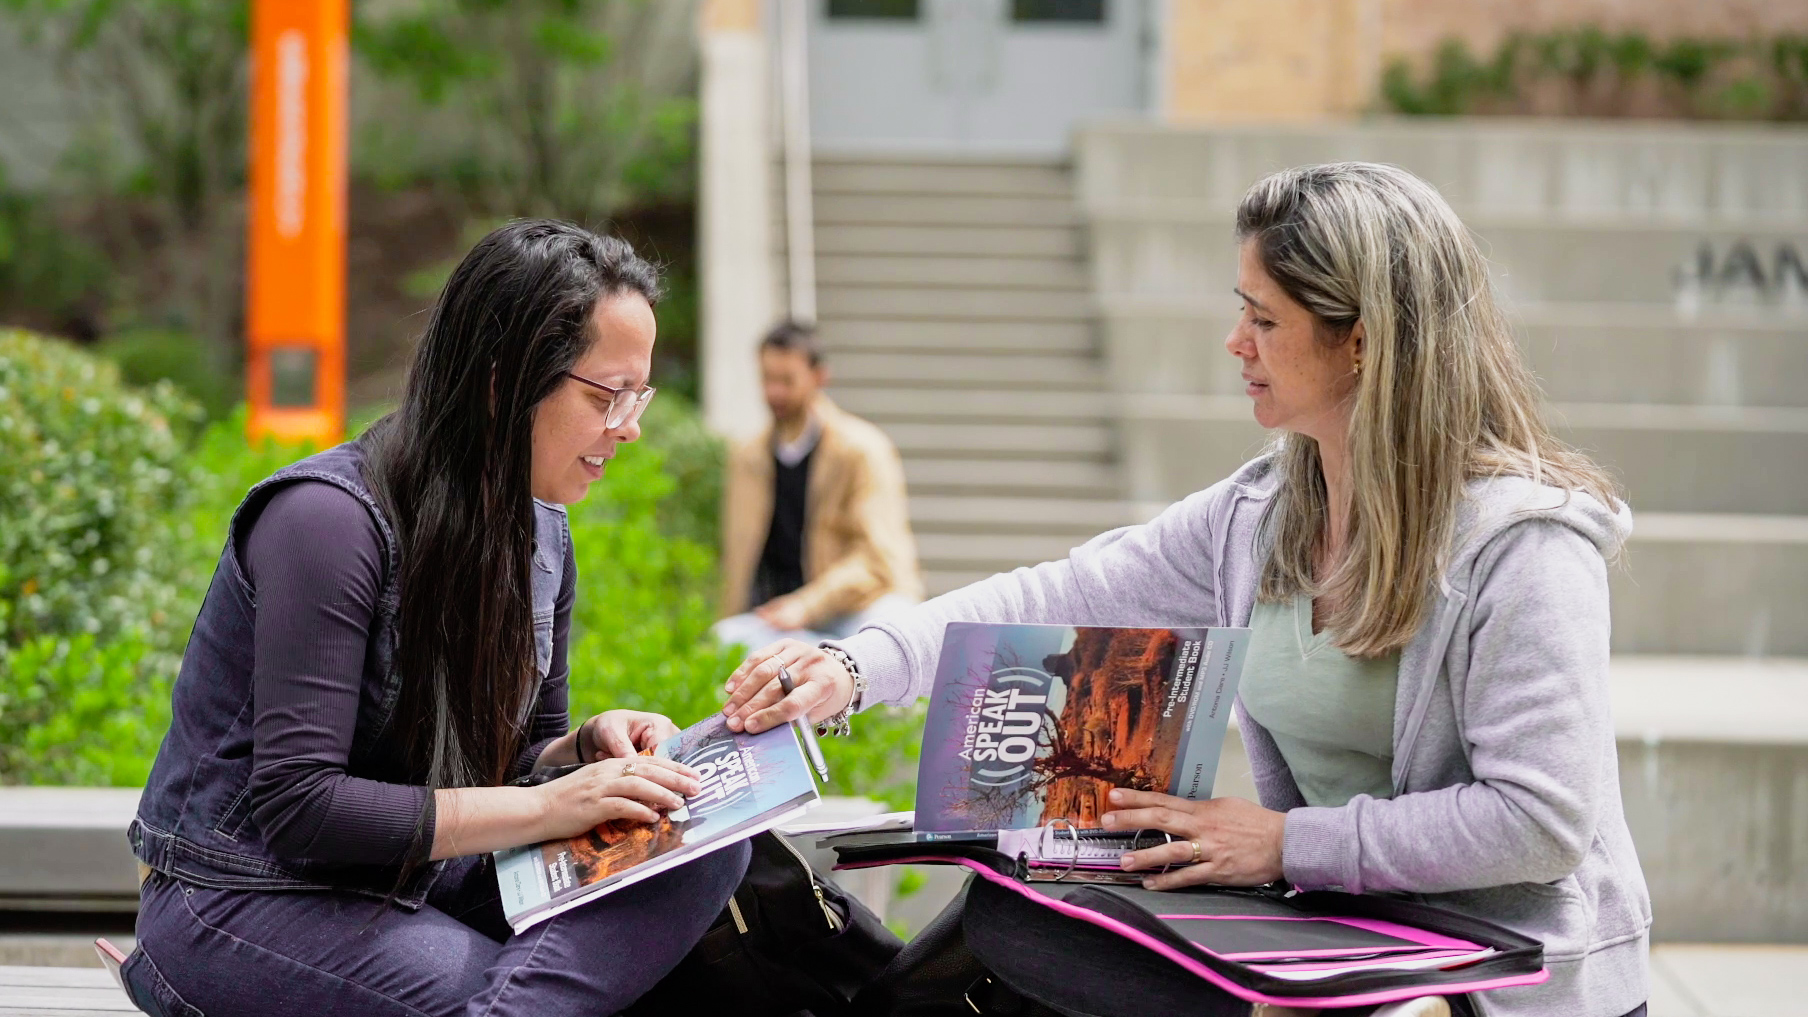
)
(315, 559)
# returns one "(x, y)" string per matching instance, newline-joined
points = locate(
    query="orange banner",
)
(295, 321)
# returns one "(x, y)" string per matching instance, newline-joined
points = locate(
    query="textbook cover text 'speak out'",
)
(1030, 724)
(750, 783)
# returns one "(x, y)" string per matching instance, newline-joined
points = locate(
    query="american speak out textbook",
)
(750, 783)
(1032, 724)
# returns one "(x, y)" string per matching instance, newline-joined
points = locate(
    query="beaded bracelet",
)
(838, 723)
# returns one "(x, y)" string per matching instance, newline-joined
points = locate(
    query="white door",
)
(1000, 76)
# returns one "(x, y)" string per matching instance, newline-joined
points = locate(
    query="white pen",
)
(805, 731)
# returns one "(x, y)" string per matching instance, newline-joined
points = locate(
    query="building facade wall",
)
(1302, 60)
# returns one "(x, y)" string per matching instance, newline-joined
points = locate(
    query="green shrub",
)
(693, 458)
(48, 273)
(147, 356)
(87, 663)
(78, 710)
(644, 541)
(1586, 71)
(94, 474)
(93, 607)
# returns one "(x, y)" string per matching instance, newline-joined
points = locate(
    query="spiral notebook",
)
(1060, 852)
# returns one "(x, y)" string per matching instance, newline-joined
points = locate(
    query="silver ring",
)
(627, 769)
(1073, 834)
(1166, 839)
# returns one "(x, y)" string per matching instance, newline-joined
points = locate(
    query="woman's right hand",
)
(638, 789)
(756, 702)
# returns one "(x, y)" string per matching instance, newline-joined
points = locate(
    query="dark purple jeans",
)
(225, 953)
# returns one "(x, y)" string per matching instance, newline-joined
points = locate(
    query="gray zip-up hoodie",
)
(1506, 800)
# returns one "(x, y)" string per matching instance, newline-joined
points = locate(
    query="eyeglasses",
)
(625, 404)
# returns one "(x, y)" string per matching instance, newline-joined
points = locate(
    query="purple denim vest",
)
(194, 820)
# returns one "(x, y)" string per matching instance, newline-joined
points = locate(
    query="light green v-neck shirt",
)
(1331, 715)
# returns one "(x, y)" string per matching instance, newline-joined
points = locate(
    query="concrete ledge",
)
(1656, 264)
(1483, 165)
(65, 848)
(1713, 759)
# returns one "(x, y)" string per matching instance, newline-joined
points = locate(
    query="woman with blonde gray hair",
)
(1424, 570)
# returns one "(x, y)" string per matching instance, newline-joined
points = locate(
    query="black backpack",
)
(788, 942)
(1011, 946)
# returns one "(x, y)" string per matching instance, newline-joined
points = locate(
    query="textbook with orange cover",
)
(1032, 724)
(751, 783)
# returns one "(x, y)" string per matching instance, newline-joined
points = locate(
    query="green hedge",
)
(127, 477)
(1588, 71)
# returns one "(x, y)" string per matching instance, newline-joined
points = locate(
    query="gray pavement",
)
(1687, 980)
(1718, 980)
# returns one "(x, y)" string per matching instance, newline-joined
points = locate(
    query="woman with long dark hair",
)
(382, 650)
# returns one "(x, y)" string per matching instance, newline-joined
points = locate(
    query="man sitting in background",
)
(815, 530)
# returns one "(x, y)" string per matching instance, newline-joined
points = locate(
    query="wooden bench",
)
(60, 992)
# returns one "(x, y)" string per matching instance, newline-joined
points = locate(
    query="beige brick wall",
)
(1260, 59)
(1231, 60)
(731, 15)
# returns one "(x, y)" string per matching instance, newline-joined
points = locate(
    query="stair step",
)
(992, 552)
(1167, 254)
(956, 240)
(1669, 458)
(861, 370)
(1019, 441)
(887, 176)
(949, 303)
(1085, 517)
(947, 580)
(994, 477)
(1756, 699)
(1690, 585)
(964, 404)
(945, 210)
(949, 270)
(1649, 417)
(1581, 352)
(1693, 527)
(929, 337)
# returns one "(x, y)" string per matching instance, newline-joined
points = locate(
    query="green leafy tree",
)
(158, 93)
(566, 108)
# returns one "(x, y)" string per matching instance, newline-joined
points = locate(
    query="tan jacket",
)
(857, 542)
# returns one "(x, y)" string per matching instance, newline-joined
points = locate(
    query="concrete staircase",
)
(1655, 274)
(954, 301)
(1046, 350)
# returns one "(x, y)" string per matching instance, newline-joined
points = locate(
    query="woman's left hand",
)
(1239, 842)
(617, 733)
